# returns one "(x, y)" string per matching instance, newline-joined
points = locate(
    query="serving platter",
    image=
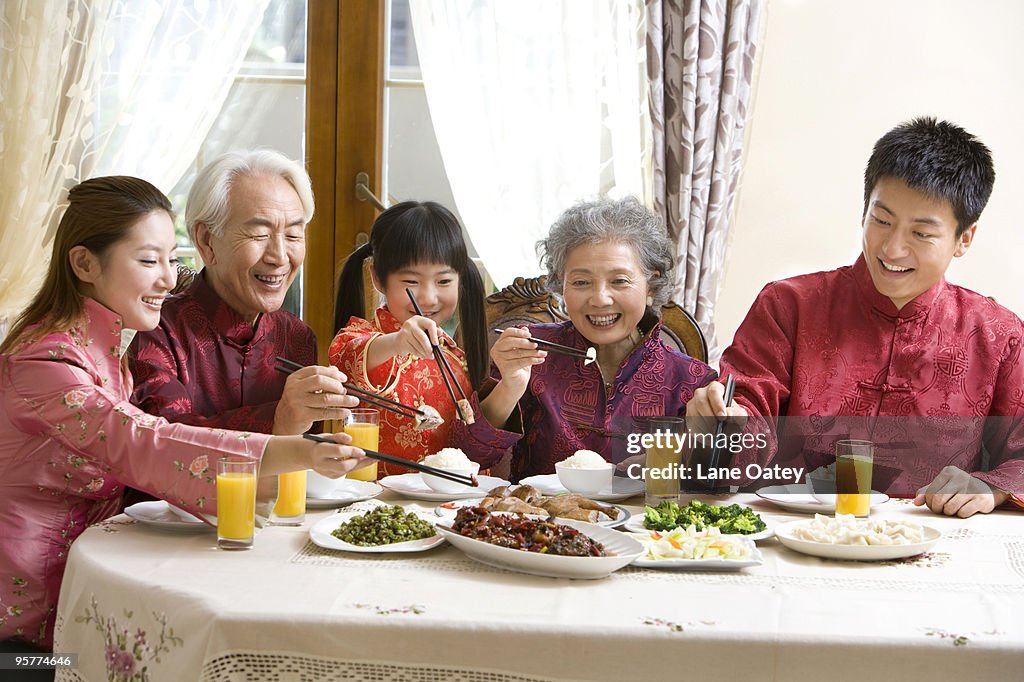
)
(636, 525)
(624, 547)
(412, 486)
(321, 536)
(449, 509)
(784, 532)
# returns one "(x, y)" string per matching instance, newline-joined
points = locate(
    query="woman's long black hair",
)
(420, 232)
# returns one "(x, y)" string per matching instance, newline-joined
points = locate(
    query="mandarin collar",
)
(226, 320)
(103, 330)
(387, 323)
(883, 304)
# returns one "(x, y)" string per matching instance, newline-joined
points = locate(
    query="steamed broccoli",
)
(729, 519)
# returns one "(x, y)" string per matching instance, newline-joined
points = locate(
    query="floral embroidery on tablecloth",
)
(415, 609)
(672, 626)
(128, 655)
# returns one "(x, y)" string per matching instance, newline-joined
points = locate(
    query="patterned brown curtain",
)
(700, 63)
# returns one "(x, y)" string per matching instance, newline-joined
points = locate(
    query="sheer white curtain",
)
(172, 66)
(100, 87)
(536, 104)
(50, 63)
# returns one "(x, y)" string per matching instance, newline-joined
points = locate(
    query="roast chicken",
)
(525, 499)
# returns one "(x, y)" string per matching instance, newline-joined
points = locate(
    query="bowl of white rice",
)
(453, 460)
(585, 473)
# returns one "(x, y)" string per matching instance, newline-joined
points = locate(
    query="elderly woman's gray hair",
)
(624, 221)
(208, 198)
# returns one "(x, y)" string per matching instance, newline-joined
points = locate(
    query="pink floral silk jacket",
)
(69, 443)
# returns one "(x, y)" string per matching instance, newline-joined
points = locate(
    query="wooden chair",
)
(526, 301)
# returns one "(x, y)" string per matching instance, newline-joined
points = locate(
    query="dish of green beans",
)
(384, 525)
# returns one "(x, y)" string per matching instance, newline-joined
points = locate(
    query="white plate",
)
(412, 485)
(621, 488)
(159, 515)
(795, 497)
(346, 492)
(636, 525)
(320, 534)
(756, 559)
(854, 552)
(449, 509)
(626, 549)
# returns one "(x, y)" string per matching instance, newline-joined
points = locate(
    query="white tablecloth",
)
(135, 597)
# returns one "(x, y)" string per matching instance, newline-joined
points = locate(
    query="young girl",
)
(415, 245)
(69, 439)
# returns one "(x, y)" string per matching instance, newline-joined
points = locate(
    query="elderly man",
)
(211, 360)
(889, 350)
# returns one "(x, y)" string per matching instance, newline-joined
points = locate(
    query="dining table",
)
(140, 602)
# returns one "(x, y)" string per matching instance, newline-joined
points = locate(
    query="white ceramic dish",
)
(755, 559)
(636, 525)
(412, 485)
(320, 534)
(449, 509)
(585, 482)
(159, 515)
(625, 547)
(621, 488)
(784, 532)
(796, 497)
(443, 485)
(345, 492)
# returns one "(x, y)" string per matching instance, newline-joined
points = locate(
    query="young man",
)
(886, 349)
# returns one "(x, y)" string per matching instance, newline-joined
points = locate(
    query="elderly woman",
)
(609, 261)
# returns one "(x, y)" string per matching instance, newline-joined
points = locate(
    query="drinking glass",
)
(290, 508)
(236, 503)
(363, 425)
(661, 467)
(853, 476)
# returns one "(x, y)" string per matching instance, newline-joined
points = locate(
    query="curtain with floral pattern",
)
(700, 64)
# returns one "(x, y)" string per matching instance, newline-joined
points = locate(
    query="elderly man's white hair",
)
(208, 198)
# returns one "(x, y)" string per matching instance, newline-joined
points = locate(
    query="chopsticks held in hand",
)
(589, 355)
(462, 406)
(287, 366)
(730, 390)
(440, 473)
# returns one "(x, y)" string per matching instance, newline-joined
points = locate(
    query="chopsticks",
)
(440, 473)
(589, 355)
(730, 390)
(287, 367)
(442, 365)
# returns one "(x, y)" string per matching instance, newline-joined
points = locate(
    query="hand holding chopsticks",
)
(418, 466)
(462, 407)
(588, 356)
(287, 367)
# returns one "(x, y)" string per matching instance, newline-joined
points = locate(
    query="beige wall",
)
(836, 75)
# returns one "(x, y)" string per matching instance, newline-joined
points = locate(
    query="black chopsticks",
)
(442, 366)
(730, 390)
(440, 473)
(589, 355)
(288, 366)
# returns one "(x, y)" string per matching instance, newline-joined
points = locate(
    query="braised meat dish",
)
(531, 535)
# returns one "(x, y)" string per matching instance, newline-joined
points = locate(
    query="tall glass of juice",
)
(290, 508)
(364, 427)
(853, 476)
(236, 503)
(661, 465)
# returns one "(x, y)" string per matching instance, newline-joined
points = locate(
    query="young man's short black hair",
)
(938, 158)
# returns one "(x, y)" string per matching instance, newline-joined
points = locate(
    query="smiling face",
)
(135, 274)
(605, 292)
(909, 240)
(435, 286)
(256, 258)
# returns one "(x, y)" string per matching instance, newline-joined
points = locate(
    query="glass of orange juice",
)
(290, 508)
(363, 425)
(236, 503)
(853, 476)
